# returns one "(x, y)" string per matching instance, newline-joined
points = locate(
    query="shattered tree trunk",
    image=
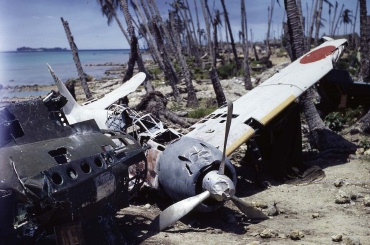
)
(156, 104)
(230, 33)
(220, 96)
(365, 60)
(310, 29)
(169, 70)
(135, 55)
(192, 97)
(76, 59)
(318, 22)
(246, 75)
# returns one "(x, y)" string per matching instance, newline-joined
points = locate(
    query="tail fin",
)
(72, 103)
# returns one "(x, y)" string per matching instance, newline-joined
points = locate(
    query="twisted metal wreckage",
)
(66, 168)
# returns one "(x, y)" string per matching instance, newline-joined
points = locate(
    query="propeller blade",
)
(178, 210)
(248, 209)
(221, 170)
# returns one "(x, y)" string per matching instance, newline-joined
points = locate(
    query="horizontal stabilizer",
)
(120, 92)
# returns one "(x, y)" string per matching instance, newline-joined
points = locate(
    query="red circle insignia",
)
(317, 54)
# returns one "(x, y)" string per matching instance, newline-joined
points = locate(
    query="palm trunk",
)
(365, 59)
(354, 27)
(310, 30)
(336, 24)
(333, 21)
(168, 67)
(318, 21)
(246, 75)
(76, 59)
(198, 24)
(220, 96)
(365, 43)
(321, 137)
(192, 98)
(231, 34)
(162, 28)
(195, 38)
(270, 11)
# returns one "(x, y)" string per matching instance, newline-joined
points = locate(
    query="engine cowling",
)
(183, 166)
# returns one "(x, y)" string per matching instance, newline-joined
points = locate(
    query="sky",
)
(37, 23)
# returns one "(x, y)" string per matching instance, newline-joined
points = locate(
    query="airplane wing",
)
(125, 89)
(268, 99)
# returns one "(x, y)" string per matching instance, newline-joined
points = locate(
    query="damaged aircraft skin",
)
(60, 179)
(192, 169)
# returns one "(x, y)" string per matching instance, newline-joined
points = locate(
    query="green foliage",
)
(335, 121)
(365, 144)
(200, 112)
(199, 73)
(154, 71)
(228, 70)
(338, 119)
(174, 106)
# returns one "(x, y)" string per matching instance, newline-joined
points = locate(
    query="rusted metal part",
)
(69, 234)
(152, 156)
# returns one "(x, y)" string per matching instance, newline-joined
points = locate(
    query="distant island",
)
(28, 49)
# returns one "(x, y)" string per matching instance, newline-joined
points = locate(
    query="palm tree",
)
(197, 44)
(244, 35)
(346, 19)
(199, 30)
(181, 10)
(365, 63)
(230, 33)
(354, 26)
(319, 18)
(169, 70)
(76, 59)
(336, 22)
(321, 136)
(220, 96)
(108, 8)
(192, 97)
(364, 43)
(270, 12)
(310, 29)
(155, 35)
(318, 23)
(333, 22)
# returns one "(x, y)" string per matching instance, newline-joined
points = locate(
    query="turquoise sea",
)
(29, 68)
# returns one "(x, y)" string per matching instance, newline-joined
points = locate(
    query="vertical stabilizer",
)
(72, 103)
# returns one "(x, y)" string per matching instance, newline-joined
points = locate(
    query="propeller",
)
(178, 210)
(221, 170)
(216, 185)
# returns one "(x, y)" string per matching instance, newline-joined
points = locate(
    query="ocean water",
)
(29, 68)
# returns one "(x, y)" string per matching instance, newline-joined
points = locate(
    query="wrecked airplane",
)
(190, 168)
(60, 179)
